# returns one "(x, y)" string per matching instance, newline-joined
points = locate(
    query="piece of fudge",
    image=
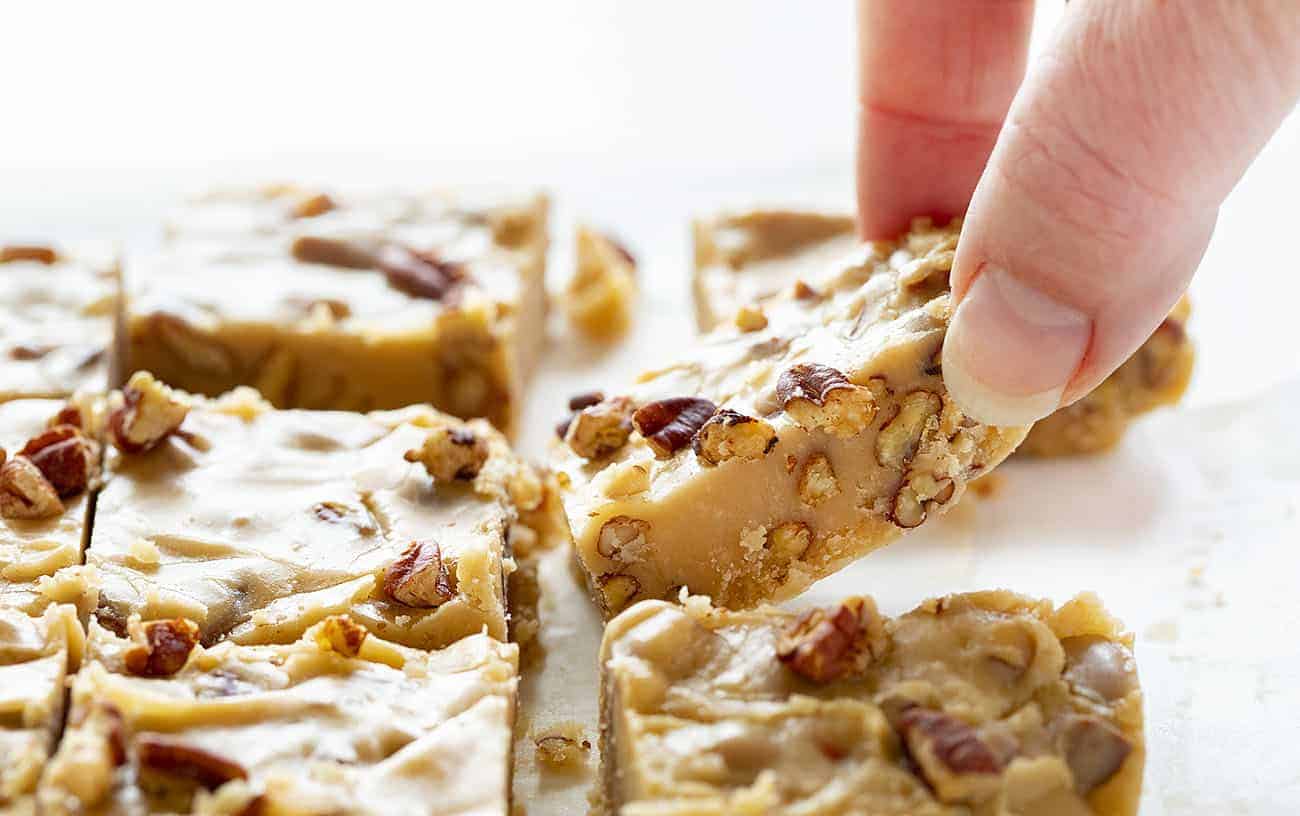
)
(776, 452)
(339, 721)
(599, 297)
(982, 703)
(256, 523)
(37, 653)
(744, 258)
(50, 457)
(355, 303)
(60, 307)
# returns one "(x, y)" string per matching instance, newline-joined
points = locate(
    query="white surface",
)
(636, 115)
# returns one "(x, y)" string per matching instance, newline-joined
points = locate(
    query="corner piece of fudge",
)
(987, 702)
(779, 451)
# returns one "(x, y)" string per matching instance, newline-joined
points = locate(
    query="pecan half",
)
(150, 412)
(730, 434)
(421, 577)
(820, 397)
(951, 756)
(25, 493)
(341, 634)
(450, 453)
(176, 758)
(1094, 749)
(161, 647)
(28, 252)
(669, 425)
(65, 457)
(620, 534)
(419, 274)
(618, 589)
(899, 439)
(825, 645)
(598, 430)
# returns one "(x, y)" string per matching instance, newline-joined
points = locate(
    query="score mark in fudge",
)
(779, 450)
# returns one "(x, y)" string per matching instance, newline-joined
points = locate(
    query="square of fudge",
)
(60, 309)
(256, 523)
(985, 702)
(358, 302)
(745, 258)
(37, 654)
(339, 721)
(776, 452)
(50, 461)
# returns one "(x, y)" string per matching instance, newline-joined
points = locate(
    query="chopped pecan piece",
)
(825, 645)
(576, 403)
(419, 274)
(149, 413)
(817, 396)
(21, 252)
(421, 577)
(161, 647)
(1099, 667)
(451, 453)
(732, 435)
(751, 318)
(817, 481)
(65, 457)
(618, 589)
(312, 206)
(29, 353)
(958, 765)
(561, 746)
(918, 496)
(341, 634)
(1094, 749)
(600, 429)
(172, 756)
(25, 493)
(68, 415)
(789, 542)
(899, 439)
(669, 425)
(621, 534)
(333, 252)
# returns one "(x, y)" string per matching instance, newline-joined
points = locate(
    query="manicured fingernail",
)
(1011, 350)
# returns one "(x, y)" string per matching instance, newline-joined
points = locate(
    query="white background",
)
(636, 115)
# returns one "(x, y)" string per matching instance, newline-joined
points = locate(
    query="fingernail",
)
(1011, 350)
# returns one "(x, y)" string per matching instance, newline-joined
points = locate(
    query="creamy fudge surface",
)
(57, 334)
(982, 704)
(37, 653)
(355, 303)
(337, 722)
(781, 448)
(257, 523)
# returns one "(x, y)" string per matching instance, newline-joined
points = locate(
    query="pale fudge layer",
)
(779, 450)
(60, 307)
(745, 258)
(50, 464)
(600, 296)
(982, 704)
(37, 653)
(257, 523)
(336, 722)
(354, 302)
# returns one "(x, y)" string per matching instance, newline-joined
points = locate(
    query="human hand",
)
(1090, 208)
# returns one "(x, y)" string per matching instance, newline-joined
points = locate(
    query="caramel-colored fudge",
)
(59, 309)
(257, 523)
(50, 456)
(37, 653)
(599, 297)
(984, 703)
(744, 258)
(356, 303)
(337, 722)
(783, 448)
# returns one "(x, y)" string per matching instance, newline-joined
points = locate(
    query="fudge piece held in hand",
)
(337, 722)
(744, 258)
(778, 452)
(257, 523)
(57, 334)
(986, 702)
(346, 302)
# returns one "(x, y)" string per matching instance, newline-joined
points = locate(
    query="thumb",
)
(1102, 192)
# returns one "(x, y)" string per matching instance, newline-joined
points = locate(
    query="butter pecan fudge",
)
(599, 297)
(37, 653)
(60, 306)
(744, 258)
(339, 721)
(257, 523)
(50, 455)
(355, 302)
(985, 703)
(775, 453)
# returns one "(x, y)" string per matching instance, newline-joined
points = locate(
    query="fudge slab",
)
(257, 523)
(779, 450)
(746, 257)
(60, 307)
(351, 303)
(37, 653)
(44, 527)
(337, 722)
(983, 703)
